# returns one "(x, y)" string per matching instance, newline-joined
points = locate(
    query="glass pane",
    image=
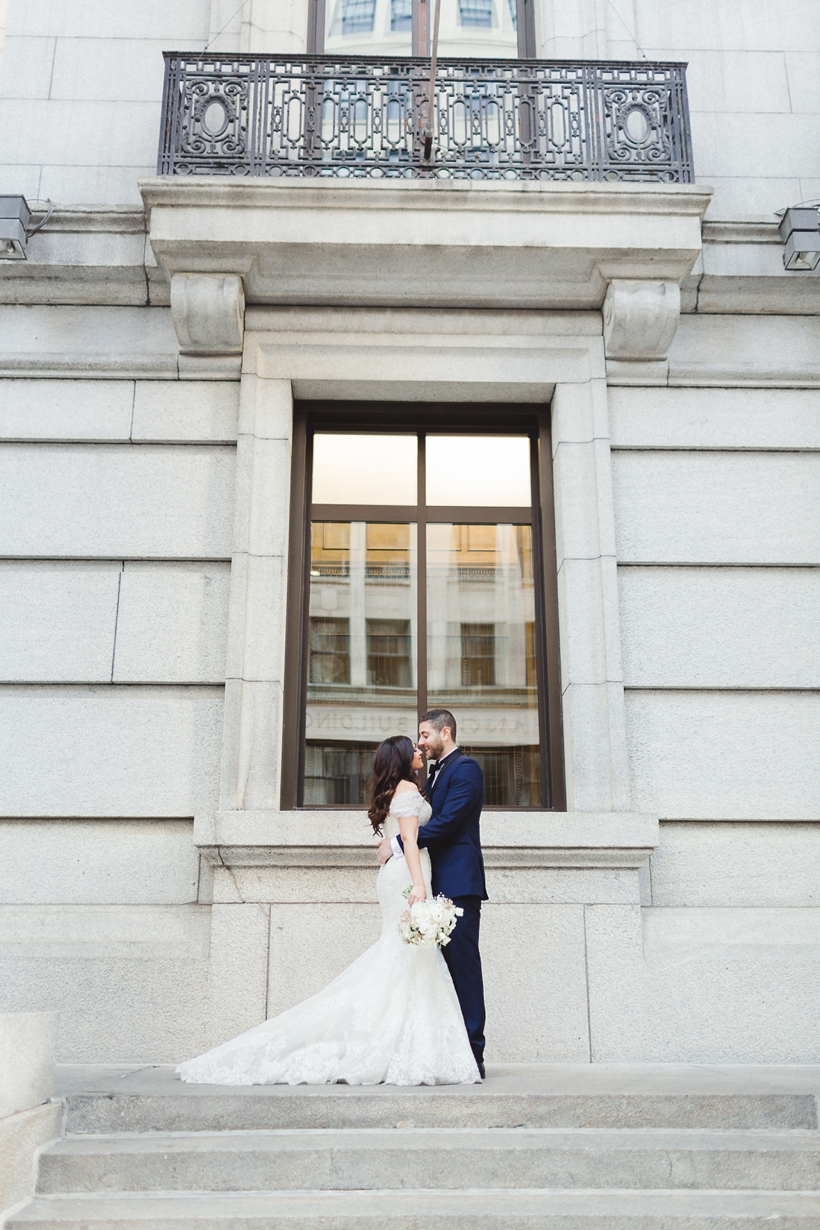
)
(481, 651)
(478, 28)
(351, 469)
(384, 27)
(362, 642)
(368, 27)
(484, 471)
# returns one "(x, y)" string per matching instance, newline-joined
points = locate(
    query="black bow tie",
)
(434, 768)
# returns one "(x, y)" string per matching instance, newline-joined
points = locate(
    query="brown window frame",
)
(450, 419)
(423, 14)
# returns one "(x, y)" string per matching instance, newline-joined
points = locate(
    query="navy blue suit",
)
(452, 835)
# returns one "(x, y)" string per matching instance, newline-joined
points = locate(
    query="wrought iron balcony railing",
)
(345, 116)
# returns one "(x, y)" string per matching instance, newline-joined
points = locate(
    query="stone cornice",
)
(526, 196)
(429, 244)
(91, 219)
(343, 839)
(100, 255)
(741, 232)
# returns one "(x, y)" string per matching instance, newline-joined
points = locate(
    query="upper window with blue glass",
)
(469, 28)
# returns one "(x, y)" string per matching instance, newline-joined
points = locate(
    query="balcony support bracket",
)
(640, 320)
(208, 311)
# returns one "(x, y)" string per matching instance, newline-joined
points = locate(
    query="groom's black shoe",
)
(481, 1072)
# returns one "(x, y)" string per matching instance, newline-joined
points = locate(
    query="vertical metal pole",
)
(316, 28)
(431, 98)
(165, 145)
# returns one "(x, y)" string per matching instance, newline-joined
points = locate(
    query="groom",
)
(455, 791)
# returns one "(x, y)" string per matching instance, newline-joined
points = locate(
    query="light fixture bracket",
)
(15, 216)
(800, 232)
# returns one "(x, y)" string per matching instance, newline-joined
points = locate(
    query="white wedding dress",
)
(392, 1016)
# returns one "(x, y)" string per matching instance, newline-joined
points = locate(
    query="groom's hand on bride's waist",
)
(384, 851)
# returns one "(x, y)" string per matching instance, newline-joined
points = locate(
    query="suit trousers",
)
(464, 963)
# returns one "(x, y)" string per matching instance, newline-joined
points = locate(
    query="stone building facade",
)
(194, 663)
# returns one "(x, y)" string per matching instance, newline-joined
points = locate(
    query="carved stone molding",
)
(423, 243)
(208, 311)
(512, 840)
(640, 319)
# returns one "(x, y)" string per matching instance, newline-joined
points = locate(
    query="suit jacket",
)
(452, 834)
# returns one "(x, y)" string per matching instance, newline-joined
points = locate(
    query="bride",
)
(392, 1016)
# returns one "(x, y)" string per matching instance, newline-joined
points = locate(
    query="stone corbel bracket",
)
(640, 322)
(208, 311)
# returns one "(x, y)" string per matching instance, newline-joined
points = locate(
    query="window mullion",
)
(422, 25)
(421, 583)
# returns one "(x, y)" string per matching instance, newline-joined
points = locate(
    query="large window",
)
(482, 28)
(422, 574)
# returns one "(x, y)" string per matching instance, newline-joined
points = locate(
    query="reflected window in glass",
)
(480, 619)
(401, 14)
(388, 653)
(329, 650)
(361, 678)
(475, 12)
(356, 16)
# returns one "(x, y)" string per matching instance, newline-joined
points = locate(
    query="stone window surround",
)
(304, 353)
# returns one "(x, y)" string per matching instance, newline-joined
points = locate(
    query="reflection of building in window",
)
(477, 538)
(330, 549)
(337, 773)
(388, 551)
(475, 12)
(357, 16)
(477, 655)
(329, 650)
(401, 14)
(511, 775)
(388, 653)
(529, 658)
(523, 543)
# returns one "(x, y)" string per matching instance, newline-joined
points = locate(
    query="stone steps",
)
(426, 1210)
(434, 1159)
(535, 1148)
(201, 1108)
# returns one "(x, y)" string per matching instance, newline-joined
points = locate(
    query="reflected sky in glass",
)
(482, 471)
(364, 469)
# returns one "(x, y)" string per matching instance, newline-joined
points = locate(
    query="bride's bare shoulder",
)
(404, 787)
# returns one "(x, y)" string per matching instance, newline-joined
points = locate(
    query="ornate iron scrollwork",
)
(344, 116)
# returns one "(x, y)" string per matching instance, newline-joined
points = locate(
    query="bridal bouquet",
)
(429, 922)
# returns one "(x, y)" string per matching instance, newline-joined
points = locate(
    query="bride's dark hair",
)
(392, 763)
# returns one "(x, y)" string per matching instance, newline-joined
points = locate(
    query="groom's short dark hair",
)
(438, 719)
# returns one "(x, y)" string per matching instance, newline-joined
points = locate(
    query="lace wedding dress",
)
(392, 1016)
